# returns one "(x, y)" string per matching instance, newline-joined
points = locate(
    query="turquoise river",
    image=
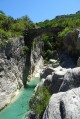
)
(20, 106)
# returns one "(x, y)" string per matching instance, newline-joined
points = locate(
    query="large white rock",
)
(52, 60)
(71, 79)
(11, 70)
(36, 58)
(54, 80)
(64, 105)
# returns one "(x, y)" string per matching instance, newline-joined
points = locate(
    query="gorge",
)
(45, 58)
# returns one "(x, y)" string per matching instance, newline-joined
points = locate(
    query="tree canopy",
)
(10, 27)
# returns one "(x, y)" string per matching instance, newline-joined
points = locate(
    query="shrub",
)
(40, 99)
(25, 49)
(64, 32)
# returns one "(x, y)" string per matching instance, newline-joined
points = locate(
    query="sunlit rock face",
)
(63, 81)
(64, 105)
(36, 57)
(72, 42)
(11, 69)
(15, 66)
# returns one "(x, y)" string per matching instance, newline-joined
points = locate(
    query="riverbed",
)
(20, 106)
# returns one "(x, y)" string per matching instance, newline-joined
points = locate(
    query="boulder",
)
(52, 60)
(54, 81)
(71, 79)
(64, 105)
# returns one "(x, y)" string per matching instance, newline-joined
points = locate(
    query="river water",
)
(19, 108)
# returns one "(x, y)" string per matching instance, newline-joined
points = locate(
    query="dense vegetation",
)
(69, 22)
(52, 43)
(40, 100)
(10, 27)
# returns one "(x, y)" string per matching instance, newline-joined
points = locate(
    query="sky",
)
(39, 10)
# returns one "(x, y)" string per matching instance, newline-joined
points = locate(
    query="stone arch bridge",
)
(32, 33)
(28, 38)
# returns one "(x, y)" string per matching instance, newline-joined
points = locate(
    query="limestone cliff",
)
(16, 65)
(62, 82)
(11, 69)
(36, 57)
(72, 42)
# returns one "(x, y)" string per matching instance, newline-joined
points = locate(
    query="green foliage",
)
(10, 27)
(71, 21)
(41, 100)
(54, 43)
(49, 46)
(4, 34)
(50, 54)
(33, 44)
(2, 43)
(25, 49)
(64, 32)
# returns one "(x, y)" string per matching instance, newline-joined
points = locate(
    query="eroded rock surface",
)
(71, 79)
(63, 81)
(11, 69)
(71, 42)
(65, 105)
(36, 57)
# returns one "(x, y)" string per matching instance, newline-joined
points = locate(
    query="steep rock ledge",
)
(64, 105)
(16, 65)
(11, 69)
(62, 82)
(72, 42)
(36, 57)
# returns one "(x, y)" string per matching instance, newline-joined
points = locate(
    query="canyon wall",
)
(12, 62)
(17, 64)
(36, 57)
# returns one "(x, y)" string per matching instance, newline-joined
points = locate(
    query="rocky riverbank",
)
(17, 66)
(62, 81)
